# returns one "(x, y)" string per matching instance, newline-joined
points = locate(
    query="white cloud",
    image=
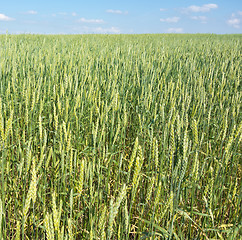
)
(202, 19)
(84, 20)
(96, 30)
(64, 14)
(175, 30)
(117, 11)
(111, 30)
(3, 17)
(234, 22)
(162, 9)
(203, 8)
(170, 20)
(31, 12)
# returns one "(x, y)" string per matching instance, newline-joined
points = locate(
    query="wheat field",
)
(120, 136)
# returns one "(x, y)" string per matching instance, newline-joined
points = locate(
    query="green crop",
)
(120, 136)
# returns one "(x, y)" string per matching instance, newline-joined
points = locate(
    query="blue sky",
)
(109, 16)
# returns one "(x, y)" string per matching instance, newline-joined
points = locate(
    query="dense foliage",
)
(120, 136)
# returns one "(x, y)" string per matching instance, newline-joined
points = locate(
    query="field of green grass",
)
(120, 137)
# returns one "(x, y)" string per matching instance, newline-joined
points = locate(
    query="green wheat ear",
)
(8, 126)
(49, 227)
(155, 153)
(172, 147)
(70, 233)
(32, 192)
(195, 132)
(17, 236)
(136, 144)
(55, 212)
(114, 210)
(81, 178)
(157, 197)
(150, 188)
(102, 223)
(40, 128)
